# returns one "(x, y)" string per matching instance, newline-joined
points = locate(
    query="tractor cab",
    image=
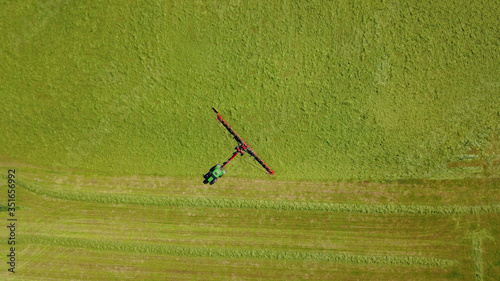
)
(215, 172)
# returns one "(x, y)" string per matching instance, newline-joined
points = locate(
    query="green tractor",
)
(215, 172)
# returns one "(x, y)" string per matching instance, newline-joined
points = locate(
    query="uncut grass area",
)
(322, 91)
(381, 121)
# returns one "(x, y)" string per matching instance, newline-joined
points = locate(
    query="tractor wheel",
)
(214, 181)
(205, 181)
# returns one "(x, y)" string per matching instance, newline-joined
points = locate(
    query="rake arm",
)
(251, 152)
(242, 144)
(231, 131)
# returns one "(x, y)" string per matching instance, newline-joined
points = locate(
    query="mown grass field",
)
(66, 235)
(380, 119)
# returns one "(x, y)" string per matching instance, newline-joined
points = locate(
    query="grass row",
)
(259, 204)
(478, 258)
(234, 253)
(477, 249)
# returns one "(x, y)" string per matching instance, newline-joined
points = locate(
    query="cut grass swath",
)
(260, 204)
(148, 248)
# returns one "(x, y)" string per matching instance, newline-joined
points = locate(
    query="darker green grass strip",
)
(259, 204)
(148, 248)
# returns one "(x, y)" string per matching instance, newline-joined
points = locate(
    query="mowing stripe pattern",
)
(260, 204)
(148, 248)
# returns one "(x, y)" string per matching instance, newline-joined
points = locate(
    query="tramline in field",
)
(218, 171)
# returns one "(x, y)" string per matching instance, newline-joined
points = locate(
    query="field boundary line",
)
(258, 204)
(149, 248)
(477, 238)
(477, 250)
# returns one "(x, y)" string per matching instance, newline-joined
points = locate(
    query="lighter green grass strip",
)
(478, 258)
(477, 248)
(148, 248)
(259, 204)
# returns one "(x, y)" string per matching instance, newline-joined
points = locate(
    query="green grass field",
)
(381, 120)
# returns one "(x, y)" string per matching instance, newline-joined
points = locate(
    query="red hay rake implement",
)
(218, 171)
